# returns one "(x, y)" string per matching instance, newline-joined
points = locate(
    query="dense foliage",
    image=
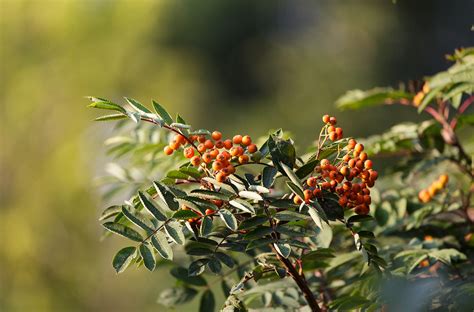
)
(281, 230)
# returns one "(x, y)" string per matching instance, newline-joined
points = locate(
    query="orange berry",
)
(243, 159)
(424, 263)
(359, 164)
(362, 209)
(228, 170)
(201, 139)
(345, 171)
(312, 181)
(443, 179)
(352, 163)
(333, 121)
(252, 148)
(237, 139)
(367, 199)
(218, 202)
(325, 185)
(359, 147)
(325, 164)
(196, 161)
(201, 148)
(333, 136)
(363, 156)
(351, 144)
(424, 196)
(174, 145)
(168, 150)
(308, 194)
(207, 158)
(331, 129)
(214, 153)
(217, 165)
(228, 144)
(346, 158)
(180, 138)
(188, 152)
(209, 212)
(343, 201)
(223, 156)
(368, 164)
(297, 200)
(216, 135)
(326, 118)
(339, 131)
(208, 144)
(246, 140)
(317, 193)
(373, 175)
(219, 144)
(347, 186)
(221, 177)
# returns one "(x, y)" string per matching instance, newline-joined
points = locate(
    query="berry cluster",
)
(208, 212)
(215, 154)
(333, 133)
(349, 176)
(427, 194)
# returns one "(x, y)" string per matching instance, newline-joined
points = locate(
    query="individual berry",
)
(216, 135)
(252, 148)
(214, 153)
(196, 161)
(311, 181)
(346, 158)
(333, 136)
(362, 209)
(189, 152)
(373, 175)
(246, 140)
(297, 200)
(352, 163)
(168, 150)
(223, 156)
(236, 151)
(331, 129)
(174, 145)
(325, 164)
(424, 196)
(180, 139)
(308, 194)
(343, 201)
(201, 139)
(325, 185)
(228, 170)
(347, 186)
(237, 139)
(443, 179)
(363, 156)
(359, 147)
(345, 171)
(368, 164)
(219, 144)
(333, 121)
(208, 144)
(201, 148)
(221, 177)
(217, 165)
(243, 159)
(326, 118)
(317, 192)
(209, 212)
(359, 164)
(367, 199)
(207, 158)
(351, 144)
(218, 202)
(228, 144)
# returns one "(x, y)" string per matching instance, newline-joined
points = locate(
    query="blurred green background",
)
(239, 66)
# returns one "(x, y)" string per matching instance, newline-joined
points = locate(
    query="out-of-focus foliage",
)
(54, 52)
